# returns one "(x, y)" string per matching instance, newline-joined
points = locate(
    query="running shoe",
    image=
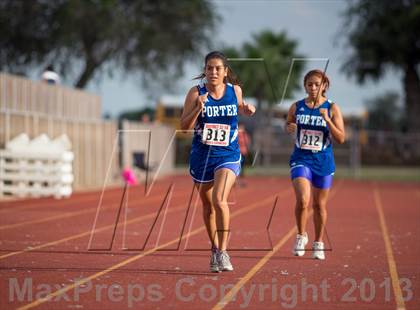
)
(318, 250)
(214, 260)
(224, 261)
(300, 243)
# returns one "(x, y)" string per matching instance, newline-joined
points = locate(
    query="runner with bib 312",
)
(315, 121)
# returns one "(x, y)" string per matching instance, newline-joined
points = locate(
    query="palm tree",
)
(263, 66)
(385, 34)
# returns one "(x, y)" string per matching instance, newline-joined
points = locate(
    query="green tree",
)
(384, 34)
(384, 113)
(84, 38)
(265, 80)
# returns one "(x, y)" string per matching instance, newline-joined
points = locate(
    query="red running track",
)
(374, 247)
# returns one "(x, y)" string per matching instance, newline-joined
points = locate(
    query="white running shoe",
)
(224, 261)
(214, 260)
(300, 243)
(318, 250)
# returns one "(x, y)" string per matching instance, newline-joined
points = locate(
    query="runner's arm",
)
(193, 106)
(246, 108)
(335, 123)
(291, 119)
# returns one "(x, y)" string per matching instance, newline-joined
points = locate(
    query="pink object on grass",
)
(129, 176)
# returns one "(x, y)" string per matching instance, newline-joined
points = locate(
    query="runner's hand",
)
(248, 109)
(291, 127)
(201, 102)
(324, 114)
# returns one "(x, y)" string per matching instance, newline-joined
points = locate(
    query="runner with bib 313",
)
(211, 108)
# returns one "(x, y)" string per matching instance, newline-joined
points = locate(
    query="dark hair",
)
(324, 78)
(231, 76)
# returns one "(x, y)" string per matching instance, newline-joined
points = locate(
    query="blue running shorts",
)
(322, 182)
(203, 167)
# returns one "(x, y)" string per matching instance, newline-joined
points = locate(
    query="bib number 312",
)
(311, 140)
(216, 134)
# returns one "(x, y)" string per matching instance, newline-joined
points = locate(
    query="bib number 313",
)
(216, 134)
(311, 140)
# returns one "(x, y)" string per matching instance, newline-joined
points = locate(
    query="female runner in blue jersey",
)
(211, 108)
(314, 120)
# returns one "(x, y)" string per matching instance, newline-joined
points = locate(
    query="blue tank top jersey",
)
(216, 129)
(313, 145)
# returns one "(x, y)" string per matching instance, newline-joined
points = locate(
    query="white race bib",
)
(216, 134)
(311, 139)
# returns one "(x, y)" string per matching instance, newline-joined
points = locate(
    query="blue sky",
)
(314, 24)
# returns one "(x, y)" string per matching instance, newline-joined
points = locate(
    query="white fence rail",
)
(41, 167)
